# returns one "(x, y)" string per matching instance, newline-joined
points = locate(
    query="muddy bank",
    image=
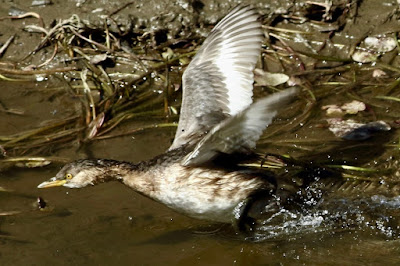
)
(351, 21)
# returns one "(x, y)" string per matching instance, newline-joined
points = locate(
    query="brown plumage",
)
(217, 120)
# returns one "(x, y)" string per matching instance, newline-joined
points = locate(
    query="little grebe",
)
(217, 119)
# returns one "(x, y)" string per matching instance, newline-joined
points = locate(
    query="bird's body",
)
(208, 192)
(217, 121)
(199, 192)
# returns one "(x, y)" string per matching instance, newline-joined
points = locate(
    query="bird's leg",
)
(251, 207)
(241, 219)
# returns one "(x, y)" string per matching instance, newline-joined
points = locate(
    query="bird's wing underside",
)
(218, 83)
(240, 132)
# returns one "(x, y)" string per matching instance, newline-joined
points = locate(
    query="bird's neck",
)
(142, 177)
(145, 177)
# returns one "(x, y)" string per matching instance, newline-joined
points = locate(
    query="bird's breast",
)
(203, 193)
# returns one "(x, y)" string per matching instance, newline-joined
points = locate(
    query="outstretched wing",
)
(218, 83)
(240, 132)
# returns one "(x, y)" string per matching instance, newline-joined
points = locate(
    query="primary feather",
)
(218, 83)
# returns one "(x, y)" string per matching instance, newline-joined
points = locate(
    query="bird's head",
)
(77, 174)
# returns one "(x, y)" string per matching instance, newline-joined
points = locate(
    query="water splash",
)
(379, 215)
(386, 201)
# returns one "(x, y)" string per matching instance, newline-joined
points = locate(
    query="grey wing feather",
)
(240, 132)
(218, 83)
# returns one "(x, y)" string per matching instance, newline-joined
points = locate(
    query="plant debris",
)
(351, 108)
(351, 130)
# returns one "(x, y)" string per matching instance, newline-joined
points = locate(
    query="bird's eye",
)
(68, 176)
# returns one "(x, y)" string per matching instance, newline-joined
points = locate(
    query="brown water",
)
(110, 223)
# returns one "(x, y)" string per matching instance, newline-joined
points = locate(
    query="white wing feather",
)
(218, 83)
(240, 132)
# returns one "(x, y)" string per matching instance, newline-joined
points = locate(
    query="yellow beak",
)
(52, 183)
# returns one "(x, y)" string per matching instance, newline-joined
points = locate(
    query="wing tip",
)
(239, 27)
